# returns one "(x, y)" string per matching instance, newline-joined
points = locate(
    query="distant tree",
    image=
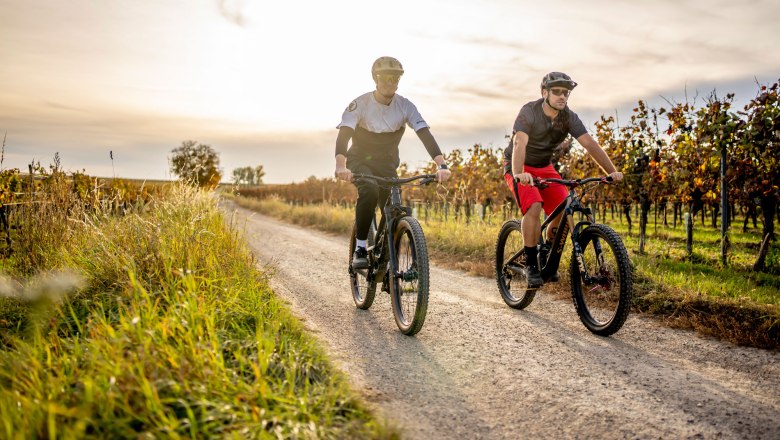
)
(196, 163)
(248, 175)
(259, 174)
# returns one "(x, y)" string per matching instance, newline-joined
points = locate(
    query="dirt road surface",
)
(480, 370)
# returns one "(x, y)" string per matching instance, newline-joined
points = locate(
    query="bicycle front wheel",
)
(409, 276)
(363, 288)
(603, 295)
(510, 266)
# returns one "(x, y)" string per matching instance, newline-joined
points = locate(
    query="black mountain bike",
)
(601, 276)
(401, 268)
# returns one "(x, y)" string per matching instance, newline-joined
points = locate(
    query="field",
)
(153, 321)
(736, 303)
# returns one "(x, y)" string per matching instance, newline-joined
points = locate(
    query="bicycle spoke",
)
(410, 284)
(603, 294)
(510, 266)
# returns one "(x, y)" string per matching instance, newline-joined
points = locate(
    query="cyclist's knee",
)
(368, 193)
(535, 209)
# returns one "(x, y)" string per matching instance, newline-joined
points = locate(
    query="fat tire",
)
(363, 289)
(410, 322)
(503, 279)
(611, 242)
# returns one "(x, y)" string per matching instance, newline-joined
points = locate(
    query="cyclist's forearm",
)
(342, 140)
(520, 140)
(597, 153)
(429, 142)
(341, 161)
(601, 158)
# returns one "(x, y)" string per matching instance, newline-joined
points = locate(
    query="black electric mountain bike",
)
(402, 269)
(601, 276)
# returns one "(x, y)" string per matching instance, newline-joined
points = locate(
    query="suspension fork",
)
(390, 220)
(577, 250)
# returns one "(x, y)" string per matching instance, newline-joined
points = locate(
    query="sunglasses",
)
(388, 78)
(559, 92)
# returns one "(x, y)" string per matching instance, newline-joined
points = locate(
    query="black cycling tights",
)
(369, 196)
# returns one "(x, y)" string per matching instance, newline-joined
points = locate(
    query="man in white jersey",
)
(375, 122)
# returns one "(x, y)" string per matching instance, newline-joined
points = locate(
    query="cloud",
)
(232, 10)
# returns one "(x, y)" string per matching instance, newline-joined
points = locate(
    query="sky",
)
(265, 82)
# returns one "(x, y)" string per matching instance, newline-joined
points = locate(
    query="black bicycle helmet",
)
(558, 79)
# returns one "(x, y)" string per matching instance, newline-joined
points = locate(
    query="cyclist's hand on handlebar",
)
(344, 173)
(616, 176)
(524, 179)
(443, 175)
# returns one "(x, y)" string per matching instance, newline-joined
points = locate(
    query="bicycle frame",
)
(392, 211)
(567, 208)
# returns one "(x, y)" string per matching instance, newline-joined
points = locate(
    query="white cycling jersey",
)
(367, 113)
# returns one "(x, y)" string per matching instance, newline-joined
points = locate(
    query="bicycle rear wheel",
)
(603, 297)
(409, 290)
(363, 289)
(510, 266)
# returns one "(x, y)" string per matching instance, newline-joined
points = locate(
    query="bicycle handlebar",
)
(542, 182)
(426, 179)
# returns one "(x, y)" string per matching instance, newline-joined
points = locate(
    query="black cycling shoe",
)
(534, 277)
(360, 258)
(544, 252)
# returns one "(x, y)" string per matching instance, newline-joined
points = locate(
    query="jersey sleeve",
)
(525, 120)
(351, 116)
(576, 127)
(413, 117)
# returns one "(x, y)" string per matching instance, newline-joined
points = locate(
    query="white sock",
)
(360, 243)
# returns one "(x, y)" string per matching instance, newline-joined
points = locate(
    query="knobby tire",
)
(409, 294)
(603, 306)
(512, 284)
(363, 289)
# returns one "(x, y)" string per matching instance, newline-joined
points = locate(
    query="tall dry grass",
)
(166, 329)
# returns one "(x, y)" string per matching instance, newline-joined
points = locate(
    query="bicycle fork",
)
(394, 210)
(598, 280)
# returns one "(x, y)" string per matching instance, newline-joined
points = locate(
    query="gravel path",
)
(480, 370)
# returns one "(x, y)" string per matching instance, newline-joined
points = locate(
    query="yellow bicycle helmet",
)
(386, 65)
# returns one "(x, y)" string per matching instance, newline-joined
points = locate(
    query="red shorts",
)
(527, 195)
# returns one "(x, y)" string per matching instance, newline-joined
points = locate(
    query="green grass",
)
(168, 331)
(665, 261)
(733, 303)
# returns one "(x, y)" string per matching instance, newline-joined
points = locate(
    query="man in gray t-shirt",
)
(539, 127)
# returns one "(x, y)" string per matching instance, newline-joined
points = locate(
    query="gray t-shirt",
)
(543, 137)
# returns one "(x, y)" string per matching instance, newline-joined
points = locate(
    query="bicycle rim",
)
(603, 301)
(363, 289)
(510, 266)
(409, 291)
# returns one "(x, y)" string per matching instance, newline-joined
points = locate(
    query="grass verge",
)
(734, 304)
(170, 331)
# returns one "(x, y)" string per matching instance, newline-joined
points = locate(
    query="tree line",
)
(673, 158)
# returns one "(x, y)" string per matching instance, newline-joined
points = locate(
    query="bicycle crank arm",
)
(515, 269)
